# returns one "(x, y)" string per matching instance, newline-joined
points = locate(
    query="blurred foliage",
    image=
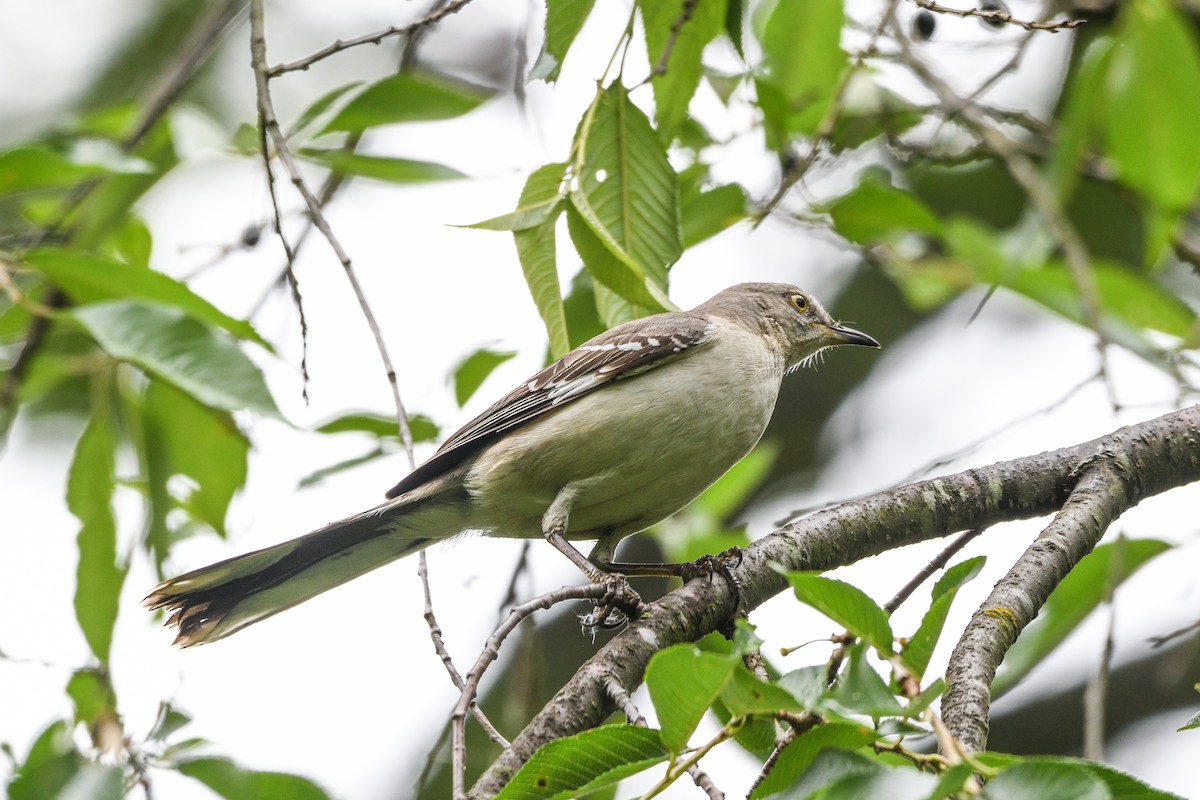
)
(164, 383)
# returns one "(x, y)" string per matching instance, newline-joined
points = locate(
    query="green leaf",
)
(886, 784)
(829, 741)
(1192, 724)
(952, 780)
(1080, 117)
(807, 684)
(847, 605)
(957, 575)
(581, 310)
(1153, 102)
(94, 279)
(708, 213)
(109, 204)
(684, 682)
(539, 202)
(1120, 785)
(1128, 296)
(608, 271)
(804, 61)
(919, 650)
(827, 767)
(234, 783)
(169, 720)
(99, 576)
(184, 437)
(92, 695)
(860, 689)
(746, 695)
(613, 308)
(628, 195)
(573, 766)
(533, 224)
(473, 371)
(1084, 588)
(735, 15)
(392, 170)
(26, 168)
(383, 427)
(917, 705)
(132, 243)
(664, 23)
(1045, 780)
(182, 351)
(564, 19)
(318, 475)
(874, 211)
(407, 97)
(319, 107)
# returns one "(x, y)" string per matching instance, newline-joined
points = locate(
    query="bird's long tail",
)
(212, 602)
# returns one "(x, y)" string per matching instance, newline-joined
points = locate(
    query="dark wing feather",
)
(624, 351)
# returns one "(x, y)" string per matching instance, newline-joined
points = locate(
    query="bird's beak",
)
(843, 335)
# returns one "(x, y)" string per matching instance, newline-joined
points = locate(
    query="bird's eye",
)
(800, 302)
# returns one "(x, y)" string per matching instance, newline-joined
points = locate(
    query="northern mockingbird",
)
(618, 434)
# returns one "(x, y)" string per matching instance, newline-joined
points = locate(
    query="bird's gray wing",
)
(622, 352)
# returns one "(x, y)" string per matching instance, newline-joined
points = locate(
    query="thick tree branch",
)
(1106, 488)
(1156, 455)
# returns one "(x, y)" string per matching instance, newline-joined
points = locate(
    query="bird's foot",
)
(619, 604)
(722, 564)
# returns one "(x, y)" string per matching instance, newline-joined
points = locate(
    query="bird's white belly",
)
(637, 450)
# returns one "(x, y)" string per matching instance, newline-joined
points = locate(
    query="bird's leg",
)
(723, 564)
(620, 598)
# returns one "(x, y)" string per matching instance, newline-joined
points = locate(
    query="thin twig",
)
(1027, 176)
(702, 780)
(258, 55)
(660, 67)
(491, 651)
(1001, 16)
(1159, 641)
(371, 38)
(1095, 694)
(522, 565)
(933, 566)
(439, 646)
(624, 701)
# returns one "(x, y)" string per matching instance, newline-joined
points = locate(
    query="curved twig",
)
(371, 38)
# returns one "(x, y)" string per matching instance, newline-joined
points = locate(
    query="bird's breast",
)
(637, 449)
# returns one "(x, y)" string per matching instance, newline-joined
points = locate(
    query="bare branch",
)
(439, 646)
(933, 566)
(270, 122)
(1107, 486)
(338, 46)
(1000, 16)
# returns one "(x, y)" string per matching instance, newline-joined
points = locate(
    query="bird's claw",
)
(619, 604)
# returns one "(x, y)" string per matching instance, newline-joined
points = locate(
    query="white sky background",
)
(346, 688)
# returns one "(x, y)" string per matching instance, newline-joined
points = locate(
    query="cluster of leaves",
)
(839, 729)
